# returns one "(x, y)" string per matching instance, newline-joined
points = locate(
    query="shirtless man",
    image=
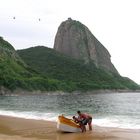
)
(85, 119)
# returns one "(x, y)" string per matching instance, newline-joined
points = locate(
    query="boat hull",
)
(67, 125)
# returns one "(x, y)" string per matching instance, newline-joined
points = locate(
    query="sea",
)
(121, 110)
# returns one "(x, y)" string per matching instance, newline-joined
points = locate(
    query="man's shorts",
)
(85, 121)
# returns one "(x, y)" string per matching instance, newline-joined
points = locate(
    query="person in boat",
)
(75, 119)
(84, 119)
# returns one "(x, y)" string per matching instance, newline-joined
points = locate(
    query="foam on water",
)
(30, 115)
(117, 123)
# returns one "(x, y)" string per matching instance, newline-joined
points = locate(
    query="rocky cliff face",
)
(75, 40)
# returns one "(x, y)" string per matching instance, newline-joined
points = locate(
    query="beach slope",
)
(27, 129)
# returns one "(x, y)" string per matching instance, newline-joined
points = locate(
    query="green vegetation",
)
(13, 76)
(14, 73)
(4, 44)
(73, 74)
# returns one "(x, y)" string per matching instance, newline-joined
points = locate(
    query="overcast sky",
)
(115, 23)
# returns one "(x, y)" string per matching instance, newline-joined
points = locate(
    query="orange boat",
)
(67, 125)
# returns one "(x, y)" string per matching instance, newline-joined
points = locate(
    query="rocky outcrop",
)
(75, 40)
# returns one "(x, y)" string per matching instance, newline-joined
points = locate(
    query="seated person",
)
(75, 119)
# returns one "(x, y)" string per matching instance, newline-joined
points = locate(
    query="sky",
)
(115, 23)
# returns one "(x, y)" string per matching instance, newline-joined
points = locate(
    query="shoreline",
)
(7, 92)
(12, 128)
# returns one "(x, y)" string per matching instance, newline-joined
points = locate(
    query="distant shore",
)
(27, 129)
(4, 91)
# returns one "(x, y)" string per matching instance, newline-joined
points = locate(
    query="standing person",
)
(85, 119)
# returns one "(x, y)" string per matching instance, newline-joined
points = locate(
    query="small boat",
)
(67, 125)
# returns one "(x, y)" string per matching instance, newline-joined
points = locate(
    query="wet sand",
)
(27, 129)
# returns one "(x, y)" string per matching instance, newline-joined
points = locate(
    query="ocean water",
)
(120, 110)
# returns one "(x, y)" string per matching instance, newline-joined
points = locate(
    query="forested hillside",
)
(73, 72)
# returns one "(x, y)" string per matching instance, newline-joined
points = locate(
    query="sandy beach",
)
(27, 129)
